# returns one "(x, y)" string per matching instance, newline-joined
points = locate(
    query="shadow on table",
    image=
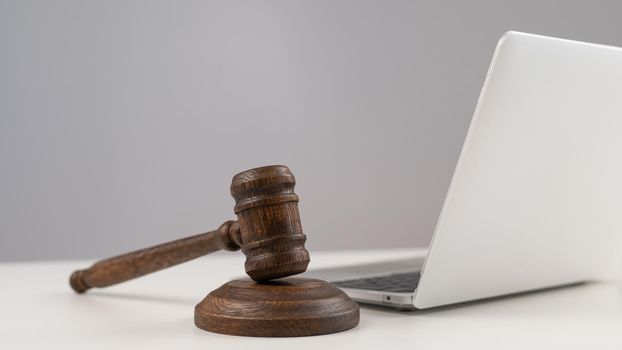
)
(145, 297)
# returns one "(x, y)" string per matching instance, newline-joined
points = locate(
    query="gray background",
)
(122, 122)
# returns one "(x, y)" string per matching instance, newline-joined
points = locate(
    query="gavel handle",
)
(128, 266)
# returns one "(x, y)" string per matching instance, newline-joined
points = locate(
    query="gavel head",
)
(270, 231)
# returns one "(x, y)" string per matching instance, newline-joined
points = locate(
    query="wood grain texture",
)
(290, 307)
(268, 230)
(269, 233)
(141, 262)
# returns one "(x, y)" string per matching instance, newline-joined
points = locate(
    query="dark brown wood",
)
(268, 230)
(269, 233)
(141, 262)
(290, 307)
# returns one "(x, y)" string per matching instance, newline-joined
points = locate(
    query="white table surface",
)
(38, 310)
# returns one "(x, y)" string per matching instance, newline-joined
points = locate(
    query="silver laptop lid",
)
(536, 197)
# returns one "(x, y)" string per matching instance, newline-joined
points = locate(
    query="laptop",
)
(536, 196)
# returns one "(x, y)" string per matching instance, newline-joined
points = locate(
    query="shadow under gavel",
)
(269, 233)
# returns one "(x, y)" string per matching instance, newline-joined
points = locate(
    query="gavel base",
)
(289, 307)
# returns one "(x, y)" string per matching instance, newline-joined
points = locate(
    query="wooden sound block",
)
(291, 307)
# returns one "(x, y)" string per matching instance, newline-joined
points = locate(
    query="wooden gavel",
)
(268, 231)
